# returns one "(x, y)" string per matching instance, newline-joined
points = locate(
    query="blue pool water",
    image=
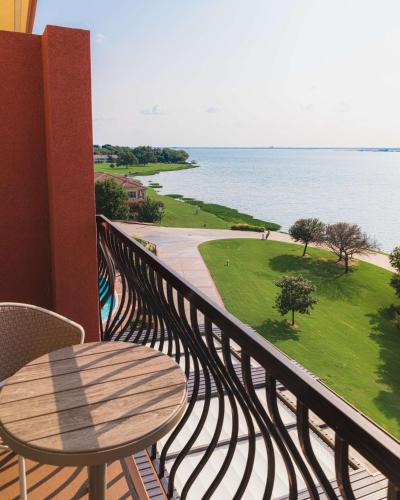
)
(111, 302)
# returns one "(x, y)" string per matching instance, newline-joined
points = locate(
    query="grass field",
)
(150, 169)
(348, 340)
(228, 214)
(180, 214)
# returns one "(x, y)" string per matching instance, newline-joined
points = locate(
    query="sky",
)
(237, 73)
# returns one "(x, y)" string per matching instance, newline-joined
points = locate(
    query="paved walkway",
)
(178, 247)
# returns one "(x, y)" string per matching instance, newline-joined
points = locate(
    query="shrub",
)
(150, 211)
(111, 200)
(177, 196)
(152, 247)
(247, 227)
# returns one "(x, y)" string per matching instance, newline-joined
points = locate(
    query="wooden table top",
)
(91, 403)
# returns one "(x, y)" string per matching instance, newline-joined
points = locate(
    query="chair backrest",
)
(27, 332)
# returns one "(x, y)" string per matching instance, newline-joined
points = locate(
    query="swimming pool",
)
(112, 301)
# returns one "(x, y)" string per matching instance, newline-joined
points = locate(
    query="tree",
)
(150, 211)
(111, 200)
(346, 240)
(169, 155)
(307, 231)
(126, 157)
(144, 154)
(174, 155)
(394, 259)
(295, 296)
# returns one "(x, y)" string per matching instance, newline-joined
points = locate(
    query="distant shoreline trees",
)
(142, 155)
(126, 157)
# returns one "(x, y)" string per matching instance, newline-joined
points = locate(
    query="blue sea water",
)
(282, 185)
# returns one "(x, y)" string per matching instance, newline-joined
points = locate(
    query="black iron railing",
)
(251, 381)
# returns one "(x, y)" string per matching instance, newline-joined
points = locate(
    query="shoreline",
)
(225, 215)
(144, 170)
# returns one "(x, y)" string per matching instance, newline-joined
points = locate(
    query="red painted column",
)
(47, 210)
(68, 122)
(25, 273)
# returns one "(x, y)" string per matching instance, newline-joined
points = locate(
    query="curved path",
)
(178, 247)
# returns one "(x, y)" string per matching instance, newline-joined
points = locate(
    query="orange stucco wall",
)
(47, 210)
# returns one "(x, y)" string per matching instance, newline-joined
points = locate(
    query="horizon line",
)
(291, 147)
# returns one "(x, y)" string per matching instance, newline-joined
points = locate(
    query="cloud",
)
(99, 38)
(391, 79)
(306, 107)
(102, 118)
(391, 40)
(212, 110)
(154, 111)
(343, 106)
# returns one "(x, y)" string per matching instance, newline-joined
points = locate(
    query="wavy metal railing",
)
(158, 307)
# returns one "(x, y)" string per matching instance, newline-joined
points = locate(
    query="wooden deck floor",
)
(48, 482)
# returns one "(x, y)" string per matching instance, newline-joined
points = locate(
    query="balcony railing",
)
(257, 424)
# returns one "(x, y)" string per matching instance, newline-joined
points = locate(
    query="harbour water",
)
(282, 185)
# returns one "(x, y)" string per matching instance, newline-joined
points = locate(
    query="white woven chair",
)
(27, 332)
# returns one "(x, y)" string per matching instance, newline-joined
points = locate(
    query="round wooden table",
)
(91, 404)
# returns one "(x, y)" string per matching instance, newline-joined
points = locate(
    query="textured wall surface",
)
(25, 272)
(47, 216)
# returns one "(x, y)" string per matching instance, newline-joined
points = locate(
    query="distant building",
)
(134, 188)
(105, 158)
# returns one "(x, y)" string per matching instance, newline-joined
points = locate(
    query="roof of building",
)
(123, 181)
(105, 156)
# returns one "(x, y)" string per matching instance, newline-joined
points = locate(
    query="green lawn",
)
(230, 215)
(348, 340)
(180, 214)
(150, 169)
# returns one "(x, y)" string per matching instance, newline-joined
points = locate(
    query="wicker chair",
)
(27, 332)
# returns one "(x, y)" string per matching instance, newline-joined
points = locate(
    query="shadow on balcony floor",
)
(46, 482)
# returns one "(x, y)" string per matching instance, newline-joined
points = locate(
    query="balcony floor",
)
(45, 481)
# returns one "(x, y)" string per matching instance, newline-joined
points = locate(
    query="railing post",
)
(393, 492)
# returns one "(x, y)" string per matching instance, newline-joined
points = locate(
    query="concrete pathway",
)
(178, 247)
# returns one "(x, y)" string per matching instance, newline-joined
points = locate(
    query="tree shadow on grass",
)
(274, 330)
(387, 336)
(330, 279)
